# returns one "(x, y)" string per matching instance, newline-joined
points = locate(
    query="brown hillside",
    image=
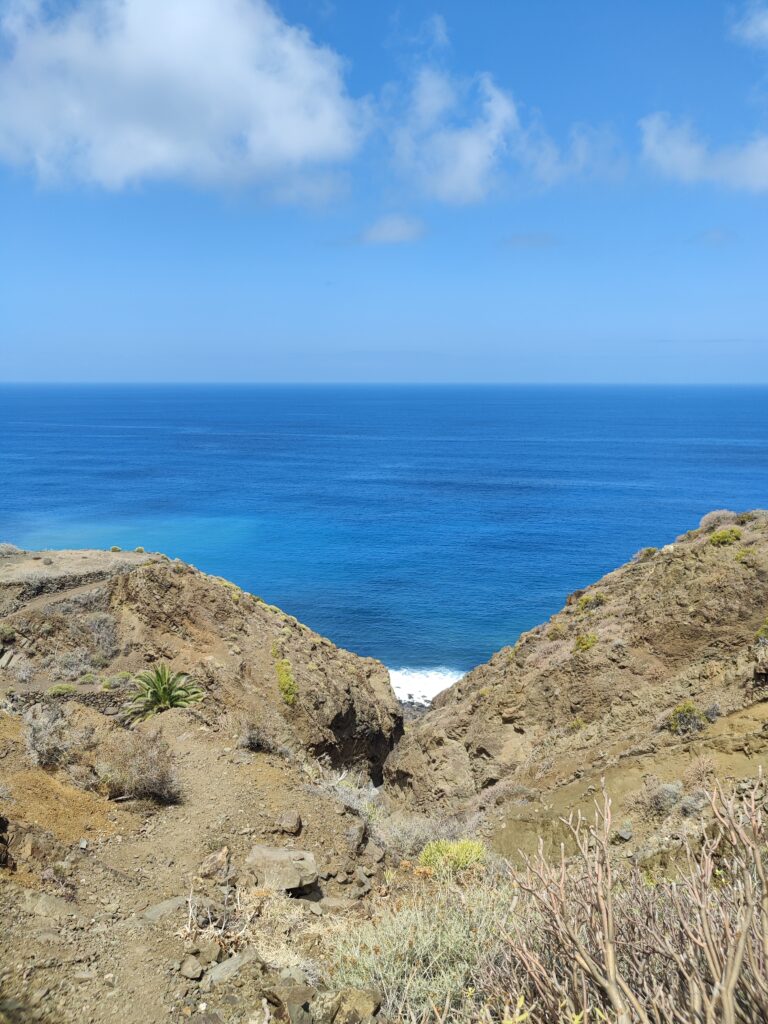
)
(590, 692)
(82, 618)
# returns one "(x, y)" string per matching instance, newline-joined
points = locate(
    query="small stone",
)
(356, 835)
(335, 904)
(293, 974)
(374, 853)
(357, 1004)
(191, 968)
(160, 910)
(215, 864)
(290, 822)
(228, 969)
(209, 951)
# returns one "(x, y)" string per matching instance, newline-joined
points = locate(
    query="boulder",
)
(285, 870)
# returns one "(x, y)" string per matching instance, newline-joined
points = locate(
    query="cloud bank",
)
(675, 150)
(215, 92)
(456, 136)
(752, 27)
(115, 91)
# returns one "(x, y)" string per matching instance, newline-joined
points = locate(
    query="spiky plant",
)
(158, 689)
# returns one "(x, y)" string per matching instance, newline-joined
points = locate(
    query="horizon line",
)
(384, 384)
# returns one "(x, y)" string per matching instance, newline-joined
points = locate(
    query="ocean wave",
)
(422, 685)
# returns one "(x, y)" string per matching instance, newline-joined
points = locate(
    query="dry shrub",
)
(138, 765)
(430, 951)
(719, 517)
(51, 742)
(256, 736)
(657, 799)
(408, 834)
(401, 832)
(582, 940)
(258, 918)
(701, 773)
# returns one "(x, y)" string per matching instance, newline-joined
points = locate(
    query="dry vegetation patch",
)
(564, 941)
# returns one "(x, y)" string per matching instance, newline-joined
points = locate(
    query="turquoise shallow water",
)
(423, 526)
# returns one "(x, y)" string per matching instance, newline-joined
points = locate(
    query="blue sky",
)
(337, 190)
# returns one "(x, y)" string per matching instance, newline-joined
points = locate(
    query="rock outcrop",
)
(89, 618)
(596, 686)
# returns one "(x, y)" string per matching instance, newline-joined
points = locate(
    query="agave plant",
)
(159, 689)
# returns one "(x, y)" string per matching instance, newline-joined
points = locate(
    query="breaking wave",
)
(422, 685)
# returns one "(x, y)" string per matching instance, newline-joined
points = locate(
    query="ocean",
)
(424, 526)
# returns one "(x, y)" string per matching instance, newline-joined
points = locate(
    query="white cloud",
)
(117, 91)
(437, 31)
(393, 229)
(752, 27)
(676, 151)
(457, 137)
(452, 155)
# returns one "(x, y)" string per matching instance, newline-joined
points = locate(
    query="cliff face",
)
(593, 689)
(81, 618)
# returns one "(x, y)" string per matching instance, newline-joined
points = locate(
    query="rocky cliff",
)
(660, 662)
(88, 619)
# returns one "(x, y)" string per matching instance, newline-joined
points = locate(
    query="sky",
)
(345, 191)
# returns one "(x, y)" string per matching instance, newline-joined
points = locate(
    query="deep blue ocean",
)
(425, 526)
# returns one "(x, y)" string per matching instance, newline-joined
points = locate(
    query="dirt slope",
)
(95, 915)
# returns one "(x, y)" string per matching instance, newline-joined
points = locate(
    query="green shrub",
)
(584, 642)
(87, 679)
(61, 689)
(285, 681)
(686, 718)
(576, 724)
(762, 633)
(115, 682)
(115, 548)
(452, 854)
(139, 550)
(7, 633)
(720, 538)
(160, 689)
(589, 601)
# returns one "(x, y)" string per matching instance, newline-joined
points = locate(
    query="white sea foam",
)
(422, 685)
